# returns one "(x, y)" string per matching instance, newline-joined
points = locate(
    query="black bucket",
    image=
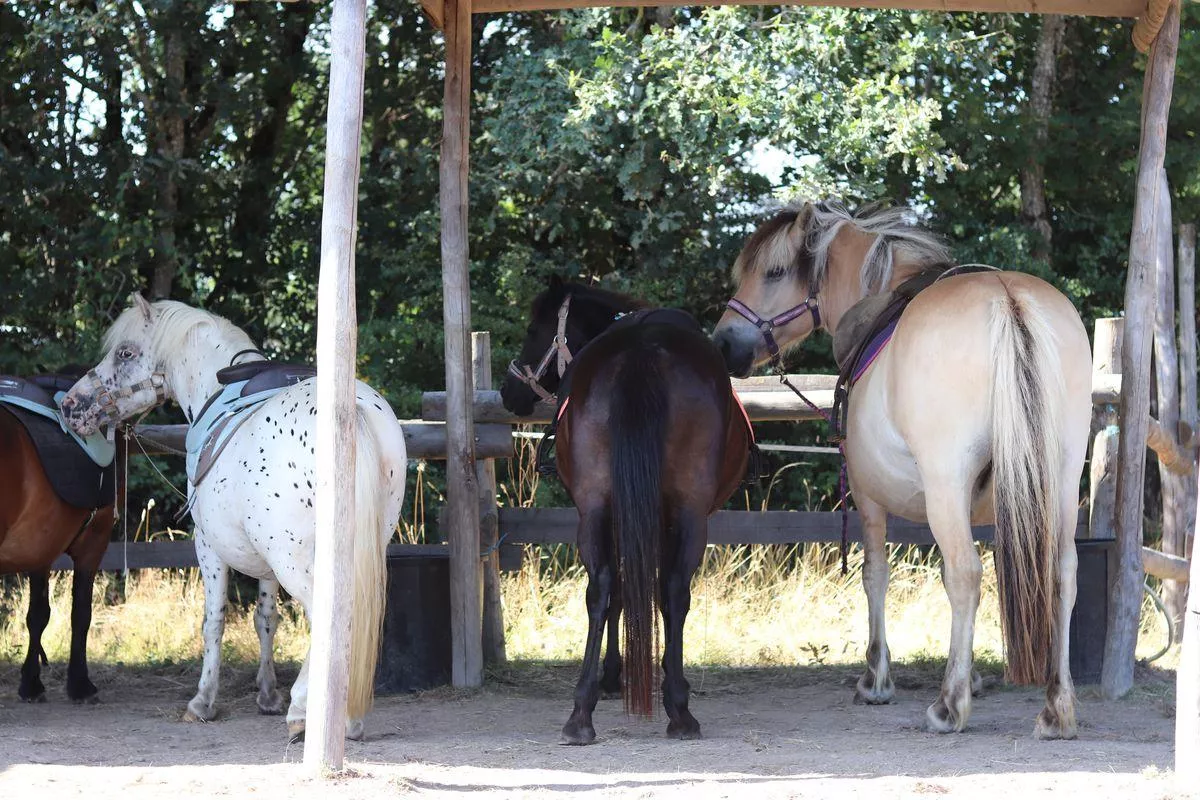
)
(1089, 619)
(415, 653)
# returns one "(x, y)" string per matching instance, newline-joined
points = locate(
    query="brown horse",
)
(652, 441)
(36, 527)
(976, 409)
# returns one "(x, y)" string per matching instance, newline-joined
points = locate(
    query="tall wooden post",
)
(1117, 675)
(1102, 483)
(337, 341)
(489, 517)
(1166, 368)
(1187, 687)
(1189, 414)
(462, 487)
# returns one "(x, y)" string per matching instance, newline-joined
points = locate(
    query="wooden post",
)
(1189, 415)
(337, 341)
(1102, 483)
(489, 517)
(1187, 689)
(1124, 611)
(462, 490)
(1166, 367)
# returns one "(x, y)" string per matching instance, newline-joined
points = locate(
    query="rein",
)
(558, 347)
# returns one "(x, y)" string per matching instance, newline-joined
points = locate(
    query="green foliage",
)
(177, 148)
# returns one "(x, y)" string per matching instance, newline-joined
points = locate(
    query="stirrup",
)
(545, 463)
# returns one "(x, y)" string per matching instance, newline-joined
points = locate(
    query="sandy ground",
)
(774, 733)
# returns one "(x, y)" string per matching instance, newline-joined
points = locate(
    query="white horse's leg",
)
(951, 525)
(875, 686)
(215, 573)
(266, 621)
(296, 711)
(1057, 720)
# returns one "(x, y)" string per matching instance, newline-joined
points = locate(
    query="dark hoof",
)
(295, 732)
(577, 734)
(84, 692)
(610, 694)
(90, 700)
(610, 689)
(684, 731)
(40, 697)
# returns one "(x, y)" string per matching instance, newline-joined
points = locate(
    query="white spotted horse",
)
(651, 440)
(973, 405)
(251, 465)
(58, 494)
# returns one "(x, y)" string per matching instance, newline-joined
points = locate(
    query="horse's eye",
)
(126, 354)
(775, 273)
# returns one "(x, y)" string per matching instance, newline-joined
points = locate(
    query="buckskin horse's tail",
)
(638, 431)
(1027, 387)
(370, 565)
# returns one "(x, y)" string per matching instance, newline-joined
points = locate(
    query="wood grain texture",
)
(1187, 690)
(1117, 676)
(337, 341)
(461, 520)
(489, 521)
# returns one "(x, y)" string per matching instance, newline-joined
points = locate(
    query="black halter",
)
(767, 326)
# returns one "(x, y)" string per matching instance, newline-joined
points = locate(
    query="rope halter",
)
(767, 326)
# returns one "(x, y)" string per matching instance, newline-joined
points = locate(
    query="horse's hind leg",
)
(37, 618)
(962, 570)
(875, 686)
(594, 550)
(691, 533)
(79, 685)
(610, 675)
(1057, 719)
(266, 621)
(215, 573)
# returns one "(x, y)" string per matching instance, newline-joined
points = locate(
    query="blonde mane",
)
(898, 240)
(174, 323)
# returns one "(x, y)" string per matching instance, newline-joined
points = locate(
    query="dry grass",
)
(751, 606)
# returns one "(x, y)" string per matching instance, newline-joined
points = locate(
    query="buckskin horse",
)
(650, 442)
(54, 499)
(251, 479)
(976, 410)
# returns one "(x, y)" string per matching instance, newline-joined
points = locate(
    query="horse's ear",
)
(799, 228)
(555, 282)
(143, 305)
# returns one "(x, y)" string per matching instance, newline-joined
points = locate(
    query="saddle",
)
(79, 470)
(868, 326)
(245, 387)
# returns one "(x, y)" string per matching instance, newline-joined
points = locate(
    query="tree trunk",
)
(169, 148)
(1035, 210)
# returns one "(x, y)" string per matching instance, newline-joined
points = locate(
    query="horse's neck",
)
(600, 315)
(191, 373)
(843, 287)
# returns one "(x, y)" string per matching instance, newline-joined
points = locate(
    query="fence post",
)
(1102, 506)
(489, 516)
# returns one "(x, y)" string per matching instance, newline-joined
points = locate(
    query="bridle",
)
(558, 347)
(108, 400)
(767, 326)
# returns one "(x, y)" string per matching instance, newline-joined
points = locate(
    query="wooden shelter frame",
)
(1156, 30)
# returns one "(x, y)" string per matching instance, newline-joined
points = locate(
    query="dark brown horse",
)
(650, 443)
(36, 527)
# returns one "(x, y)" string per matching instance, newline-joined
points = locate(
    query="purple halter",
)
(766, 326)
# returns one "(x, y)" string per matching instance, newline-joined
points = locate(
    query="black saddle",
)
(39, 389)
(262, 376)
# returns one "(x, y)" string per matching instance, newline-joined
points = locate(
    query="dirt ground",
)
(768, 733)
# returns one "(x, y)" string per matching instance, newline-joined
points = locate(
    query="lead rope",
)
(841, 443)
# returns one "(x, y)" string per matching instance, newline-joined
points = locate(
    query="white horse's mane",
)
(899, 240)
(174, 323)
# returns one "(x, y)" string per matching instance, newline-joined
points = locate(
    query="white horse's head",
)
(129, 379)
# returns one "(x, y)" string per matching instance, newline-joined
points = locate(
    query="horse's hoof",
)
(684, 731)
(295, 732)
(356, 730)
(90, 700)
(1048, 726)
(576, 734)
(976, 683)
(270, 705)
(939, 719)
(40, 697)
(606, 694)
(198, 712)
(871, 695)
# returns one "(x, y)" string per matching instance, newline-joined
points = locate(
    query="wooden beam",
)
(763, 403)
(181, 554)
(1189, 414)
(1187, 687)
(1094, 8)
(1165, 566)
(489, 524)
(423, 439)
(336, 437)
(1125, 608)
(461, 522)
(434, 12)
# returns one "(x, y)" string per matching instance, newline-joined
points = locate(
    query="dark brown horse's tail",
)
(1027, 459)
(638, 429)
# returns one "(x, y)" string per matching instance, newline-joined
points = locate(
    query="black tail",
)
(637, 426)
